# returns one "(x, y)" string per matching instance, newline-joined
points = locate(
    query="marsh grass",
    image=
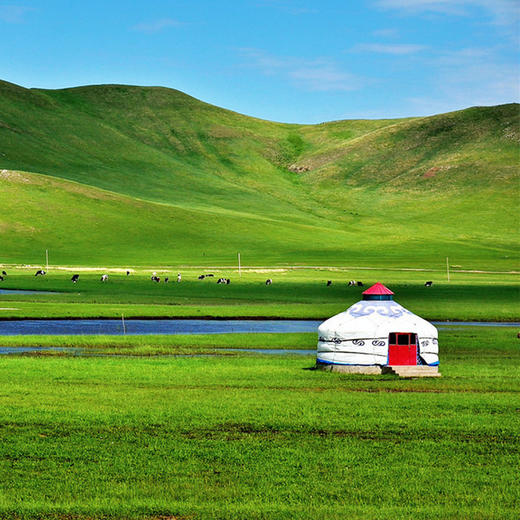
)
(295, 293)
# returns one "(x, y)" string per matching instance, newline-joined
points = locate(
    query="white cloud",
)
(14, 13)
(469, 77)
(321, 74)
(503, 12)
(383, 48)
(386, 33)
(157, 25)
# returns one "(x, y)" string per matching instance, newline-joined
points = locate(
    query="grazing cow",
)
(4, 273)
(155, 279)
(128, 273)
(75, 277)
(221, 280)
(104, 278)
(329, 283)
(40, 272)
(166, 280)
(201, 277)
(352, 283)
(210, 275)
(360, 284)
(228, 281)
(179, 277)
(269, 281)
(428, 284)
(1, 278)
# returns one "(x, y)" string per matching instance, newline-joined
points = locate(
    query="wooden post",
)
(239, 271)
(448, 268)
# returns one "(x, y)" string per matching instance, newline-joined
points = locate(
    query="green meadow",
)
(114, 175)
(295, 293)
(112, 178)
(247, 436)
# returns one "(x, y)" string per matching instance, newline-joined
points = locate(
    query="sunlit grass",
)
(261, 437)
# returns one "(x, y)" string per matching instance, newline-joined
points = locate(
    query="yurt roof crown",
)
(378, 292)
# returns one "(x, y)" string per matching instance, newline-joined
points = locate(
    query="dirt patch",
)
(295, 168)
(432, 172)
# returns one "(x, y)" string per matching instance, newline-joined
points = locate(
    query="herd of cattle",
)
(225, 281)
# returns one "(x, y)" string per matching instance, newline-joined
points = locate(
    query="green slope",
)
(166, 178)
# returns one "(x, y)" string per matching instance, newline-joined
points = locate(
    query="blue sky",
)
(283, 60)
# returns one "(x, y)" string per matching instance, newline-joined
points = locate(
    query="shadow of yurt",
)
(378, 336)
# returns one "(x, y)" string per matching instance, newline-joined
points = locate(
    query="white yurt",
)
(377, 332)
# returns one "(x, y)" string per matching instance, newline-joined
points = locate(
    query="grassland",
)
(295, 293)
(261, 437)
(113, 175)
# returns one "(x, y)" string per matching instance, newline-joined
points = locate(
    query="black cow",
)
(166, 280)
(75, 277)
(155, 278)
(1, 278)
(201, 277)
(40, 272)
(428, 284)
(210, 275)
(329, 283)
(269, 281)
(128, 273)
(4, 273)
(360, 284)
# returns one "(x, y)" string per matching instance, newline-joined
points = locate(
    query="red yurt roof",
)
(378, 289)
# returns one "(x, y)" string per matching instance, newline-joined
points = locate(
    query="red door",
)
(402, 348)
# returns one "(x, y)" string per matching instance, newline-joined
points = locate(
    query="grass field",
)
(261, 437)
(110, 178)
(113, 175)
(295, 293)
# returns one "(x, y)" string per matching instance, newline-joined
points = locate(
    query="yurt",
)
(377, 335)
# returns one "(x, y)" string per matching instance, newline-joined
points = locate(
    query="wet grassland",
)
(251, 436)
(294, 293)
(147, 430)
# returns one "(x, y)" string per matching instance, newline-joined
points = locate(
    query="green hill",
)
(140, 176)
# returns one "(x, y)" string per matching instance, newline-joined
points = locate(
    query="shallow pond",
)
(144, 327)
(176, 326)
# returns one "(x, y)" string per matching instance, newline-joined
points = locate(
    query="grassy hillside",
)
(160, 177)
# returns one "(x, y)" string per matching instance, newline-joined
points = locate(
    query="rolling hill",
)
(122, 175)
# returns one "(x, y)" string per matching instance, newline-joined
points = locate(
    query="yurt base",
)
(412, 371)
(401, 370)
